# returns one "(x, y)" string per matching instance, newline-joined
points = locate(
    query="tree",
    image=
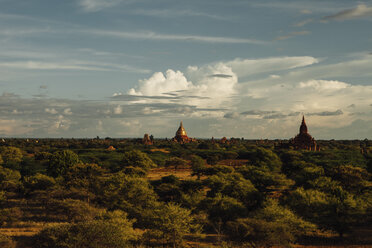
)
(234, 185)
(137, 158)
(131, 194)
(337, 210)
(273, 225)
(8, 216)
(11, 155)
(38, 182)
(112, 230)
(6, 241)
(2, 198)
(71, 210)
(172, 222)
(9, 179)
(61, 161)
(176, 162)
(197, 166)
(85, 177)
(353, 179)
(263, 179)
(265, 157)
(223, 208)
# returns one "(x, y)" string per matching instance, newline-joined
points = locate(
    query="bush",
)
(6, 241)
(9, 179)
(137, 158)
(2, 198)
(273, 225)
(11, 155)
(61, 161)
(72, 210)
(172, 223)
(111, 230)
(9, 216)
(38, 182)
(133, 195)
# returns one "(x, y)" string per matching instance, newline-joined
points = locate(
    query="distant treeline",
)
(241, 193)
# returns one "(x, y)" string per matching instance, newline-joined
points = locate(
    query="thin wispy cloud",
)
(97, 5)
(23, 31)
(174, 37)
(173, 13)
(70, 65)
(361, 11)
(302, 23)
(292, 34)
(327, 113)
(304, 7)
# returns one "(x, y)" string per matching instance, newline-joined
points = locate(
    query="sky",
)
(237, 68)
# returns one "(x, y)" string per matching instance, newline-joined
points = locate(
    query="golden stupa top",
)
(181, 131)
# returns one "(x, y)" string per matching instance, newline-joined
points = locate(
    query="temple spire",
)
(181, 135)
(181, 130)
(303, 127)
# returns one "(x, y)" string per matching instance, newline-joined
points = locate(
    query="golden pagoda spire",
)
(181, 130)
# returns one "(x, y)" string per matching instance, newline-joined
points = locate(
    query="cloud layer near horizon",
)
(219, 94)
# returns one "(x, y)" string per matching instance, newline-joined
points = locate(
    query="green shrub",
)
(72, 210)
(137, 158)
(9, 216)
(38, 182)
(6, 241)
(111, 230)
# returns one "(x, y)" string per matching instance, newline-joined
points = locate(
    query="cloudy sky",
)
(237, 68)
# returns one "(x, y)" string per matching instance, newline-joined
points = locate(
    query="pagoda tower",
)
(181, 135)
(303, 140)
(147, 140)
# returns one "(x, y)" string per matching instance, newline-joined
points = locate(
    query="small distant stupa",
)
(111, 148)
(147, 140)
(181, 135)
(303, 140)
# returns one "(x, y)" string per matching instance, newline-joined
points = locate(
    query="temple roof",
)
(303, 127)
(181, 131)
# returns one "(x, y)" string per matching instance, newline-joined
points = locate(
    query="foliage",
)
(264, 158)
(352, 178)
(9, 216)
(84, 176)
(110, 231)
(223, 208)
(89, 186)
(71, 210)
(176, 162)
(137, 158)
(6, 241)
(2, 198)
(263, 179)
(337, 210)
(9, 179)
(197, 166)
(39, 182)
(61, 161)
(224, 169)
(133, 195)
(235, 186)
(172, 222)
(11, 155)
(272, 225)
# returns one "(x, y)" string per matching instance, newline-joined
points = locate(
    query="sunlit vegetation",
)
(78, 193)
